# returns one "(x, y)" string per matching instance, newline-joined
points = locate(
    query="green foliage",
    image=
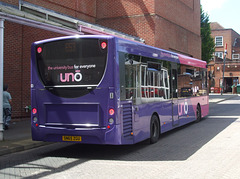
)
(208, 45)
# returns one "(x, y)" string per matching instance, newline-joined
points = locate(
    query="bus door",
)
(132, 83)
(174, 94)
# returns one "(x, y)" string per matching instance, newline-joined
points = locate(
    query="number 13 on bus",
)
(108, 90)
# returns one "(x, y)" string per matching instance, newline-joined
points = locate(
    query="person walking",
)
(7, 110)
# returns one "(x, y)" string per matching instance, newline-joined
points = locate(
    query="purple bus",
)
(99, 89)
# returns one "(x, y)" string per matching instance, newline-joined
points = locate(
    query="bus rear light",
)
(103, 45)
(111, 112)
(39, 49)
(34, 111)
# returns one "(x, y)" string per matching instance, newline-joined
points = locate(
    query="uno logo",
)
(183, 108)
(67, 77)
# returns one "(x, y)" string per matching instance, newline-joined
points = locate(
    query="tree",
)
(208, 45)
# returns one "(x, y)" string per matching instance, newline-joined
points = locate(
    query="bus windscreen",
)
(75, 62)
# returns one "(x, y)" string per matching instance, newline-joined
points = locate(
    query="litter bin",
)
(238, 89)
(212, 89)
(217, 90)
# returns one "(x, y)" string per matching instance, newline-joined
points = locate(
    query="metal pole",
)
(224, 61)
(222, 86)
(1, 76)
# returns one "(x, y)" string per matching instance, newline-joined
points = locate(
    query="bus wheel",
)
(154, 129)
(198, 113)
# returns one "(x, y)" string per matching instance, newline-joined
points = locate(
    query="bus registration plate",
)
(72, 138)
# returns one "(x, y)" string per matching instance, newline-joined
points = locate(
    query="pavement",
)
(18, 137)
(216, 97)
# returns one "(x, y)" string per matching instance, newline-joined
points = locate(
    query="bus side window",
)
(144, 81)
(130, 75)
(154, 83)
(192, 81)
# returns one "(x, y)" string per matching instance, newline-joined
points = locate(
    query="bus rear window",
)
(72, 62)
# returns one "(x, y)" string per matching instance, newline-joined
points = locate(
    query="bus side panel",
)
(187, 108)
(186, 111)
(204, 104)
(142, 118)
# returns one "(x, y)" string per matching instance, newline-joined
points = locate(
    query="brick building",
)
(171, 25)
(232, 63)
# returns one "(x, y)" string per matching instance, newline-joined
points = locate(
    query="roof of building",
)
(216, 26)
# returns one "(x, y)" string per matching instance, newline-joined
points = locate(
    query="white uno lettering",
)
(182, 107)
(70, 77)
(185, 107)
(78, 77)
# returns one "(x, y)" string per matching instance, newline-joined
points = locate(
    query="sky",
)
(225, 12)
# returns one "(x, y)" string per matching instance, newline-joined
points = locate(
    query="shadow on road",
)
(177, 145)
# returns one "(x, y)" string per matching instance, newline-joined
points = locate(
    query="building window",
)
(235, 56)
(219, 41)
(219, 54)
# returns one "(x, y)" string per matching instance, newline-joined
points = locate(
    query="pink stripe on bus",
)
(191, 61)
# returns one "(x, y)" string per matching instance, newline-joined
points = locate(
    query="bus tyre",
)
(154, 129)
(198, 113)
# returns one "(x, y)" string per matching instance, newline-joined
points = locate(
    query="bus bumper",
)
(103, 135)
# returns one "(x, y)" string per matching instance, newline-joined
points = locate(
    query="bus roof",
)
(138, 48)
(154, 52)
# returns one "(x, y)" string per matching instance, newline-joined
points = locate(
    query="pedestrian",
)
(7, 110)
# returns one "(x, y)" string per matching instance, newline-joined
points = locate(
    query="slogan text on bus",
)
(77, 76)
